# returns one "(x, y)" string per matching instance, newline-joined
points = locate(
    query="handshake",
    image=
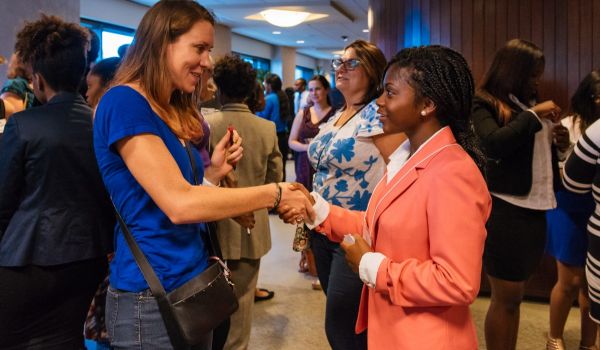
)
(296, 204)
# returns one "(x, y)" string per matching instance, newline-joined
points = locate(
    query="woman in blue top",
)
(140, 129)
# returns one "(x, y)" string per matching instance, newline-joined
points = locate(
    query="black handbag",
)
(201, 304)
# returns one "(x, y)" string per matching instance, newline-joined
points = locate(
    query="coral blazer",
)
(429, 222)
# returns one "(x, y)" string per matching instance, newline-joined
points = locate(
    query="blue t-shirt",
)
(175, 252)
(271, 112)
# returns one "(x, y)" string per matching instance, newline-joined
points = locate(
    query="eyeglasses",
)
(350, 64)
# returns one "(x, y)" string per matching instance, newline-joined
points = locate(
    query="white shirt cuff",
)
(205, 182)
(321, 208)
(368, 267)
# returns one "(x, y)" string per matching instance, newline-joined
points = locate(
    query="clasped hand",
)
(296, 204)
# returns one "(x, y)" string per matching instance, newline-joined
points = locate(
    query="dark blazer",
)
(508, 148)
(53, 205)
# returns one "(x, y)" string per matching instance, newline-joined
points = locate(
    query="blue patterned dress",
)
(347, 163)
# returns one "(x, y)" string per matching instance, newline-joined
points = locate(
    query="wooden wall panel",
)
(564, 29)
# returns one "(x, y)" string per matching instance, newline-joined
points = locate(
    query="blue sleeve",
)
(16, 86)
(123, 112)
(267, 113)
(12, 175)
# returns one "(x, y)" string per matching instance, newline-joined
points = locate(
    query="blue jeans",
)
(133, 321)
(343, 289)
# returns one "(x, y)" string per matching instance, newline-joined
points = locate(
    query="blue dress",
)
(567, 232)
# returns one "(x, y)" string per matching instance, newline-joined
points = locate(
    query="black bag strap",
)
(210, 239)
(156, 288)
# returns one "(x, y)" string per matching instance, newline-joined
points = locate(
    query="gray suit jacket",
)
(262, 163)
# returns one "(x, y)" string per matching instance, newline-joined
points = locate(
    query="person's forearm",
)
(204, 203)
(298, 146)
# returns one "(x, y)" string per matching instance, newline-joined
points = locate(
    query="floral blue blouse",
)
(348, 165)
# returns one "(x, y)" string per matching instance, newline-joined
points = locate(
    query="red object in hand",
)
(231, 129)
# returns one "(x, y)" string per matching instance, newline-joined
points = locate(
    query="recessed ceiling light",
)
(299, 41)
(284, 18)
(365, 30)
(276, 32)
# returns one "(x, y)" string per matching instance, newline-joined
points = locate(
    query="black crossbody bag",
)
(201, 304)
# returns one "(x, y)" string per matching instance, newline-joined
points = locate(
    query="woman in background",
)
(348, 156)
(517, 136)
(567, 236)
(99, 78)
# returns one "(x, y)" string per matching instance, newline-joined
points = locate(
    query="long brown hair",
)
(510, 73)
(583, 102)
(373, 62)
(145, 63)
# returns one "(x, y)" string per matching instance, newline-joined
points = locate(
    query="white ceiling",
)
(321, 37)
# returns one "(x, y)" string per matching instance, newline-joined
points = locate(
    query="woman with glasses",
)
(348, 155)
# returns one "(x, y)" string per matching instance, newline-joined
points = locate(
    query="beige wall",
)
(284, 64)
(15, 13)
(222, 44)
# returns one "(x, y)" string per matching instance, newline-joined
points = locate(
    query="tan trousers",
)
(244, 274)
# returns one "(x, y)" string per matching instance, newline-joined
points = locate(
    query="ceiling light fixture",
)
(284, 18)
(365, 30)
(299, 41)
(276, 32)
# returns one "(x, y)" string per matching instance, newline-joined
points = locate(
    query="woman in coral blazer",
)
(421, 239)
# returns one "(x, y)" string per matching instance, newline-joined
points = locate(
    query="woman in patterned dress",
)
(348, 155)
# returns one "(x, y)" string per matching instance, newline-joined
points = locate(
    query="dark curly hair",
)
(442, 75)
(235, 78)
(56, 50)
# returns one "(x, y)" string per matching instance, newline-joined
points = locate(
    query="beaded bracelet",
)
(278, 198)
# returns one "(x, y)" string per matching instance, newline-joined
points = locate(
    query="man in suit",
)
(246, 239)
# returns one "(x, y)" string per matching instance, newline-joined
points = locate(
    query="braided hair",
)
(442, 75)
